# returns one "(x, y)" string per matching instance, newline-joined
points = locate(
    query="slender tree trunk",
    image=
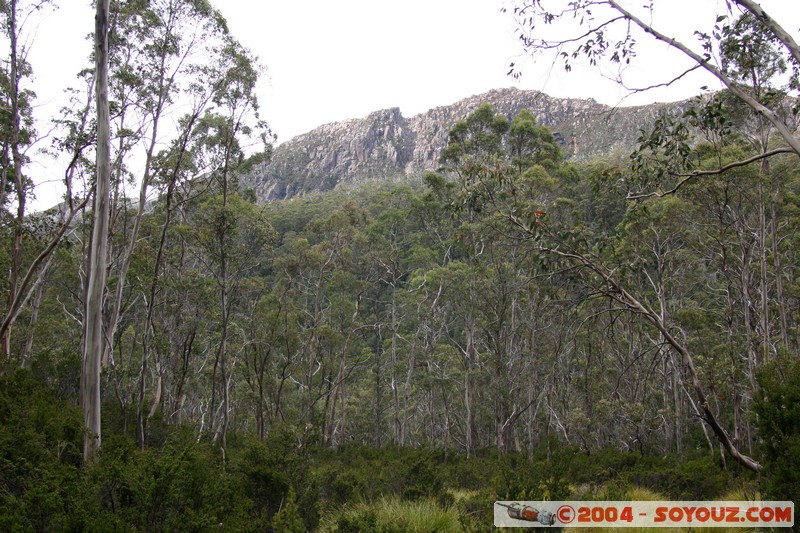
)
(223, 356)
(140, 419)
(127, 253)
(151, 298)
(180, 395)
(446, 437)
(17, 302)
(398, 432)
(469, 358)
(38, 291)
(763, 269)
(261, 378)
(406, 408)
(678, 406)
(93, 341)
(224, 302)
(19, 181)
(783, 309)
(747, 310)
(339, 393)
(378, 437)
(329, 437)
(777, 260)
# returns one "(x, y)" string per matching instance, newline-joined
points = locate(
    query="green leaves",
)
(478, 137)
(512, 171)
(750, 53)
(778, 409)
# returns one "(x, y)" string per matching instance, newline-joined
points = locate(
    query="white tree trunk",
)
(93, 341)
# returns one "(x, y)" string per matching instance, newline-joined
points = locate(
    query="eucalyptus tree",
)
(656, 253)
(161, 57)
(93, 343)
(475, 142)
(499, 339)
(233, 234)
(608, 283)
(17, 135)
(752, 57)
(27, 264)
(303, 272)
(348, 290)
(171, 167)
(393, 247)
(729, 221)
(449, 296)
(758, 62)
(320, 279)
(273, 336)
(167, 55)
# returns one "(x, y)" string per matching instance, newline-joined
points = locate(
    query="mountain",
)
(385, 145)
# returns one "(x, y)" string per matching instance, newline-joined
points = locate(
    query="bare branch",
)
(691, 175)
(549, 45)
(16, 303)
(658, 85)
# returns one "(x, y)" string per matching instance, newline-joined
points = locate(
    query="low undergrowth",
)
(184, 483)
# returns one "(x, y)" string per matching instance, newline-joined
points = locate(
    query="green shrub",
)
(365, 521)
(288, 519)
(179, 487)
(421, 477)
(41, 439)
(268, 470)
(777, 407)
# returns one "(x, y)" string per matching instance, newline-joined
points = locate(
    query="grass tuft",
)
(394, 514)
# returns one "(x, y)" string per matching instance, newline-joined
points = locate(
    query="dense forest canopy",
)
(517, 312)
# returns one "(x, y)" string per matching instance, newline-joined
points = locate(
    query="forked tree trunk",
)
(93, 340)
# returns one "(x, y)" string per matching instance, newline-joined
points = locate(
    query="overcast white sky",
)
(332, 60)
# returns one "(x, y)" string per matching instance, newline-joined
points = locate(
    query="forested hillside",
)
(383, 356)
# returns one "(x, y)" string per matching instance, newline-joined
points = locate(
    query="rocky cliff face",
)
(379, 146)
(386, 145)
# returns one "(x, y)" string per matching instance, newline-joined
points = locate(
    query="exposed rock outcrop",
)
(386, 145)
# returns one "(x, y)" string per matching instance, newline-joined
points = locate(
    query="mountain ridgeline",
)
(385, 145)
